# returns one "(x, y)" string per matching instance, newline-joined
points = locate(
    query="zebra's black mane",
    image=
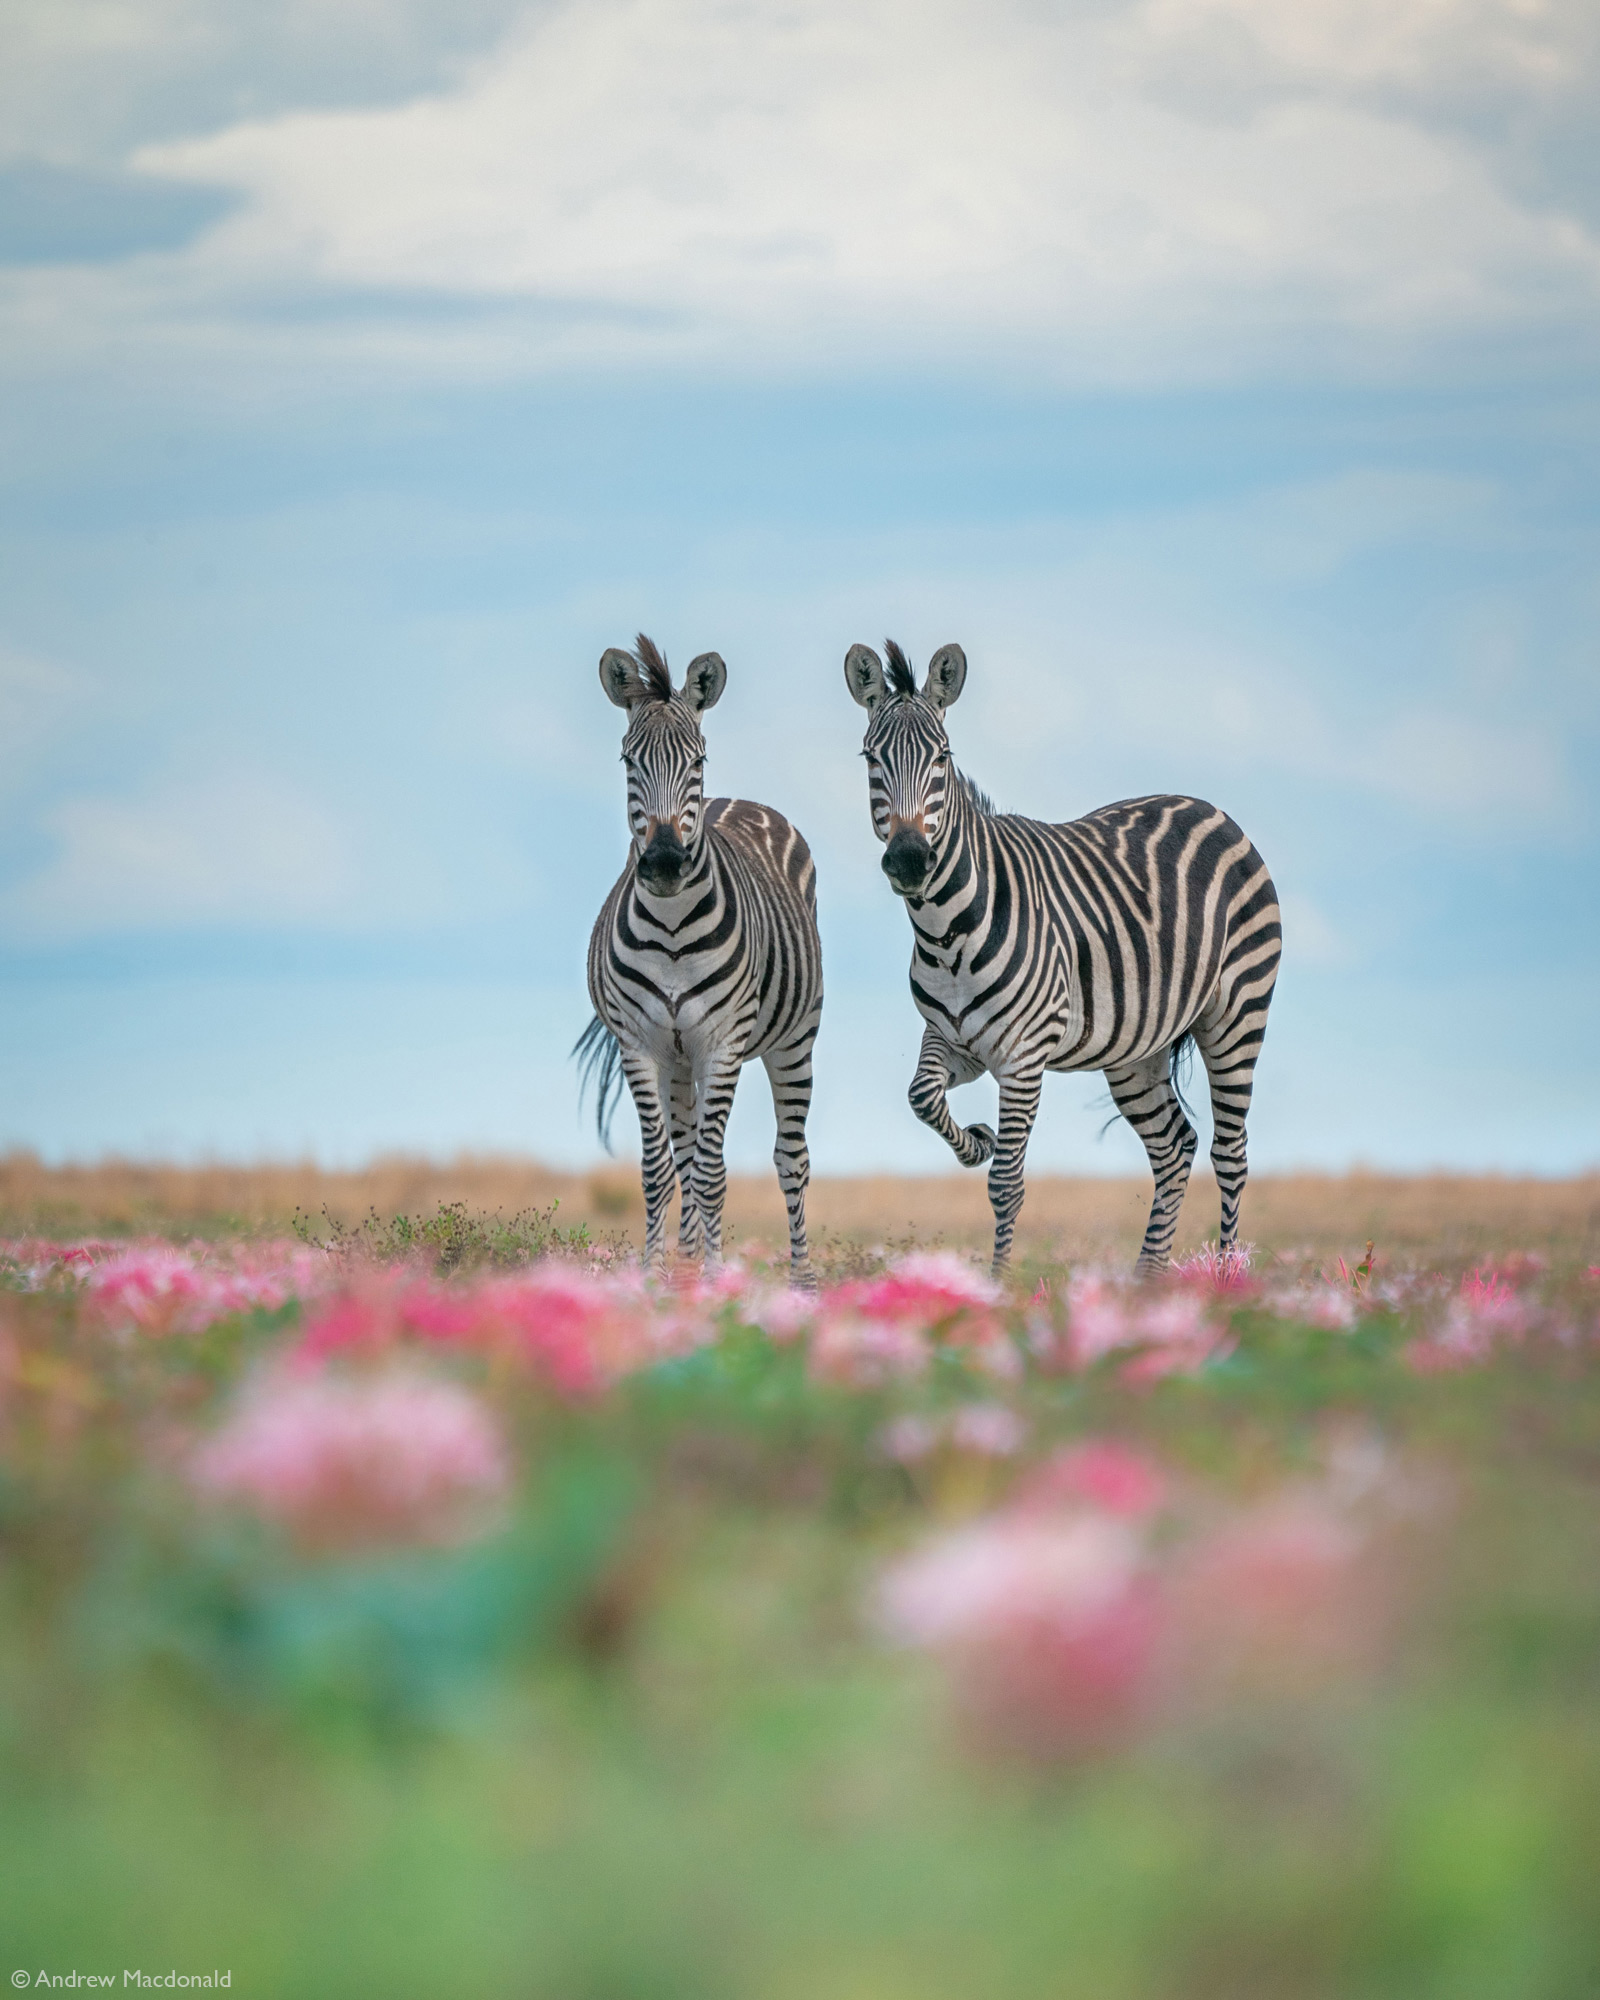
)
(977, 797)
(901, 679)
(652, 668)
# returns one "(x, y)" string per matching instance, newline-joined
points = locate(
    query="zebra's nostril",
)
(906, 858)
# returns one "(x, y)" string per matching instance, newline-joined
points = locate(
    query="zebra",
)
(704, 957)
(1113, 942)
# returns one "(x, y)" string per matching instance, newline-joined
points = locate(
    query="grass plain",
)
(646, 1741)
(1451, 1219)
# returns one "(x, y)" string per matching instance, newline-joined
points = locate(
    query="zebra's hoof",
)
(981, 1143)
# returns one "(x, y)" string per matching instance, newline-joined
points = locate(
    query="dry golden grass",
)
(1440, 1216)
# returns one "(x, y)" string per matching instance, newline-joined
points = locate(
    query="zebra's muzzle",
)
(907, 859)
(662, 862)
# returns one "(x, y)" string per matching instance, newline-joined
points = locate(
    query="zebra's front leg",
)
(656, 1170)
(714, 1088)
(1019, 1106)
(937, 1068)
(691, 1234)
(789, 1073)
(1144, 1095)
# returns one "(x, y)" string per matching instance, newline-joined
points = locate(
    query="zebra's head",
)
(665, 755)
(910, 778)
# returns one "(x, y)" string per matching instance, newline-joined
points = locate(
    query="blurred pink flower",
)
(988, 1430)
(984, 1430)
(396, 1460)
(1485, 1314)
(576, 1329)
(780, 1311)
(1049, 1625)
(929, 1288)
(1100, 1473)
(160, 1289)
(1335, 1308)
(1171, 1326)
(866, 1353)
(908, 1440)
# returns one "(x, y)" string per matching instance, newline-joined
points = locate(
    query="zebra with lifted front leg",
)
(1108, 942)
(705, 957)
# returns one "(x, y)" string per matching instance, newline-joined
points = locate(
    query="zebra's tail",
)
(599, 1057)
(1180, 1061)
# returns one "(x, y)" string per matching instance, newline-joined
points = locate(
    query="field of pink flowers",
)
(556, 1628)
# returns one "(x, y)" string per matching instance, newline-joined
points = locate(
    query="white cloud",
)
(1310, 935)
(1433, 44)
(36, 697)
(234, 849)
(882, 182)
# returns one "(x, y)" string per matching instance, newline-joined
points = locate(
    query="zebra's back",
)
(1104, 937)
(770, 843)
(1168, 898)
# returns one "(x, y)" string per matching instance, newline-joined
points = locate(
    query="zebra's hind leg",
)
(789, 1073)
(1019, 1106)
(1144, 1095)
(938, 1067)
(656, 1171)
(681, 1095)
(1229, 1040)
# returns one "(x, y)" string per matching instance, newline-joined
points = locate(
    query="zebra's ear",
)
(947, 672)
(619, 676)
(863, 676)
(704, 682)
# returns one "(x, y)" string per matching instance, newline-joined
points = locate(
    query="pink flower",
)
(1218, 1270)
(983, 1430)
(1049, 1626)
(929, 1288)
(1333, 1307)
(1485, 1313)
(395, 1461)
(575, 1329)
(780, 1311)
(987, 1430)
(1099, 1320)
(1100, 1473)
(160, 1289)
(908, 1440)
(1173, 1327)
(863, 1353)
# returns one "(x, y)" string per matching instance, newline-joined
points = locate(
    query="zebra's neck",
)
(945, 912)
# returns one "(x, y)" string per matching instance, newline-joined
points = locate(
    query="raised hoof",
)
(980, 1145)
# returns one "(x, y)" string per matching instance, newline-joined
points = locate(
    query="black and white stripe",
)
(705, 957)
(1108, 942)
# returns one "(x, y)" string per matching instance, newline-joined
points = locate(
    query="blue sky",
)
(1222, 375)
